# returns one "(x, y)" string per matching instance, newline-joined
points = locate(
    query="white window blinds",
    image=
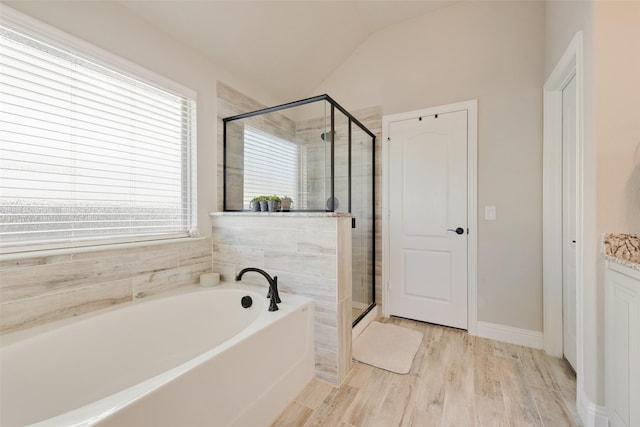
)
(88, 152)
(270, 165)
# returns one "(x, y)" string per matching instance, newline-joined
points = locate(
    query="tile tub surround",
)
(41, 289)
(310, 252)
(622, 248)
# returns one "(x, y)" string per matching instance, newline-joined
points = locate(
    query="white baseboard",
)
(591, 415)
(364, 322)
(524, 337)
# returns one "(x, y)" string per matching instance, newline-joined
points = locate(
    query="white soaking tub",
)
(195, 358)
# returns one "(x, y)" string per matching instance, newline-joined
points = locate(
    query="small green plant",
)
(260, 199)
(273, 198)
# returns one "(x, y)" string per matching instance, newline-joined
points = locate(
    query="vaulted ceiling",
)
(289, 47)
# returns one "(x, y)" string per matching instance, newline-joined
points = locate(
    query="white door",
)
(569, 222)
(427, 203)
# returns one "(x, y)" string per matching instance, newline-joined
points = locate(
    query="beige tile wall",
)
(311, 255)
(42, 289)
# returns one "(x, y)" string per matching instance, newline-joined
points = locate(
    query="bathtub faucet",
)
(273, 286)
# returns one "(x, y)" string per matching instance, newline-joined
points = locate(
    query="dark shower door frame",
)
(352, 119)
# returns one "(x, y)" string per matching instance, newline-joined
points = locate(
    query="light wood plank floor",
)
(456, 380)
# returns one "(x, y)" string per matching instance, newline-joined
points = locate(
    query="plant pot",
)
(286, 205)
(264, 206)
(255, 206)
(274, 206)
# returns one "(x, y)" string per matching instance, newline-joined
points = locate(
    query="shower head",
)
(326, 136)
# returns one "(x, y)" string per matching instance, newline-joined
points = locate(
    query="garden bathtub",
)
(194, 358)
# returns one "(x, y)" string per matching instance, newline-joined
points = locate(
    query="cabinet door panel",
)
(622, 346)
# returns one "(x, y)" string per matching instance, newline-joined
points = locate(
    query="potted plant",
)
(264, 207)
(255, 203)
(273, 203)
(286, 203)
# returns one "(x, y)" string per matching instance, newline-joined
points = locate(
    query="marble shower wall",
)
(311, 255)
(42, 289)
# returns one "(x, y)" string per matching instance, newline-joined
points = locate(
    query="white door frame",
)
(472, 219)
(570, 64)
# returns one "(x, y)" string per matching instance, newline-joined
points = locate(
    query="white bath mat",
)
(387, 346)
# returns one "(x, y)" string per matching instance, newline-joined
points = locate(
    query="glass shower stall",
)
(310, 156)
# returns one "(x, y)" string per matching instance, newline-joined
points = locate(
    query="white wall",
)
(617, 110)
(113, 27)
(492, 51)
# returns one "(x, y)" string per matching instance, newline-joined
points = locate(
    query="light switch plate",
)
(490, 213)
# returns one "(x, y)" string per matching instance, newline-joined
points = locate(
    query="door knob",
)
(458, 230)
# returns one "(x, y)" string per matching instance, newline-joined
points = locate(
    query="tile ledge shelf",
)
(284, 214)
(622, 249)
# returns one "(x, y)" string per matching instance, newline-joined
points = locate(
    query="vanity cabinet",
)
(622, 345)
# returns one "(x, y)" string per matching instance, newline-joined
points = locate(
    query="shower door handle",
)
(458, 230)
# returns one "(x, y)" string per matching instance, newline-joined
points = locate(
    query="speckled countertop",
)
(623, 249)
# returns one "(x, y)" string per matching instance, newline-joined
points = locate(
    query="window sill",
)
(311, 214)
(97, 247)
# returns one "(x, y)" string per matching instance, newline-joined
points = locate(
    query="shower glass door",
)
(362, 211)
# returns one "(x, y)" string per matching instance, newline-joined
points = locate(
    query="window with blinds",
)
(270, 165)
(89, 152)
